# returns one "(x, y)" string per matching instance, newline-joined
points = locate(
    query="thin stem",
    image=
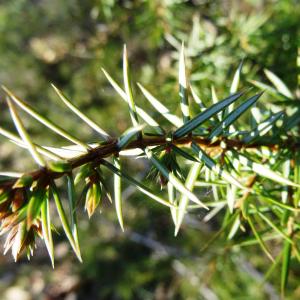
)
(110, 148)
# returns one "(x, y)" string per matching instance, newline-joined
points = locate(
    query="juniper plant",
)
(252, 168)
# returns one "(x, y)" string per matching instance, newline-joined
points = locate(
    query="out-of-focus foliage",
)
(66, 42)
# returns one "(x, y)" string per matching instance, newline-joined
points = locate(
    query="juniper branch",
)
(251, 169)
(110, 148)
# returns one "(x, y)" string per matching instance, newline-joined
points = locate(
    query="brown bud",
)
(18, 199)
(20, 239)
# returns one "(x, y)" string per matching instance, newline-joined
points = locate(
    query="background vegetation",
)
(66, 42)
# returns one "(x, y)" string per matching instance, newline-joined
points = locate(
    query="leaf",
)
(197, 98)
(184, 153)
(34, 206)
(172, 178)
(150, 121)
(276, 203)
(118, 193)
(172, 200)
(272, 225)
(184, 102)
(214, 211)
(172, 41)
(61, 166)
(82, 116)
(214, 96)
(234, 228)
(163, 110)
(138, 185)
(84, 171)
(231, 196)
(218, 233)
(204, 116)
(5, 175)
(272, 268)
(46, 229)
(103, 184)
(212, 203)
(214, 188)
(296, 195)
(268, 89)
(24, 181)
(4, 196)
(236, 79)
(45, 121)
(279, 84)
(256, 115)
(210, 183)
(128, 89)
(184, 199)
(72, 206)
(19, 240)
(14, 219)
(253, 241)
(70, 151)
(260, 240)
(233, 116)
(118, 89)
(286, 166)
(64, 220)
(128, 136)
(260, 169)
(137, 152)
(291, 122)
(212, 165)
(145, 116)
(262, 128)
(287, 249)
(215, 100)
(15, 139)
(24, 135)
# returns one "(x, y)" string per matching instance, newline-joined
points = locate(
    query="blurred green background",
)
(67, 43)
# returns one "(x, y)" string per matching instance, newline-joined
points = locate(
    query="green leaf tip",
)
(184, 200)
(233, 116)
(34, 206)
(128, 89)
(205, 115)
(45, 121)
(183, 93)
(24, 135)
(279, 84)
(64, 221)
(46, 229)
(118, 193)
(160, 107)
(142, 113)
(144, 189)
(173, 179)
(82, 116)
(236, 79)
(129, 135)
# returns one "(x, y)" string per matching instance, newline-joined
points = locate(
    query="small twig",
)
(110, 148)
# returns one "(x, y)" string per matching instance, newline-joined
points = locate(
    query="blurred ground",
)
(66, 42)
